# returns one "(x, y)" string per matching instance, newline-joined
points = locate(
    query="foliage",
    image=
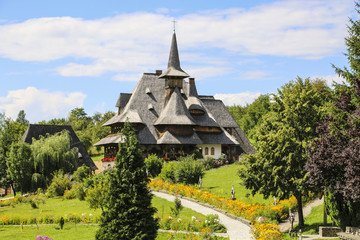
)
(20, 165)
(177, 207)
(168, 171)
(21, 118)
(10, 132)
(59, 184)
(52, 153)
(36, 200)
(82, 173)
(128, 213)
(153, 165)
(196, 154)
(251, 115)
(277, 169)
(335, 158)
(77, 190)
(94, 195)
(188, 171)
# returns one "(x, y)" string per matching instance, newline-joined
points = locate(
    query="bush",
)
(82, 173)
(59, 184)
(188, 171)
(36, 200)
(196, 154)
(208, 162)
(153, 164)
(77, 190)
(168, 171)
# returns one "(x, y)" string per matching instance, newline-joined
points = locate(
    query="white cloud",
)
(330, 79)
(131, 77)
(134, 42)
(206, 71)
(40, 104)
(238, 98)
(254, 75)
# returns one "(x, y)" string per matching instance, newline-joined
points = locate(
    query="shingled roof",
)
(37, 130)
(161, 101)
(175, 112)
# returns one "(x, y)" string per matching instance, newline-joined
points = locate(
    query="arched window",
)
(206, 151)
(212, 151)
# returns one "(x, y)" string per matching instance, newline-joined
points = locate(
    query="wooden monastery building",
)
(171, 119)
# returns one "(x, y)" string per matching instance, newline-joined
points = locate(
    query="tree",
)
(127, 211)
(20, 166)
(10, 132)
(334, 165)
(277, 169)
(21, 118)
(251, 115)
(52, 153)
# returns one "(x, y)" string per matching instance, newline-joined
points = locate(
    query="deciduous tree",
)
(334, 165)
(277, 169)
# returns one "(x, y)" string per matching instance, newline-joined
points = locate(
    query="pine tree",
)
(127, 212)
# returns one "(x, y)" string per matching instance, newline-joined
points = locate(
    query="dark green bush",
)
(153, 164)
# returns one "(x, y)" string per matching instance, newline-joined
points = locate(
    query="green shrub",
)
(196, 154)
(36, 200)
(207, 162)
(168, 171)
(59, 184)
(77, 190)
(153, 164)
(188, 171)
(82, 173)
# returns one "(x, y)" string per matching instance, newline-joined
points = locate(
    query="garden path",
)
(284, 226)
(235, 229)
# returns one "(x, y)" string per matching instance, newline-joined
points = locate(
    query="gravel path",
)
(235, 229)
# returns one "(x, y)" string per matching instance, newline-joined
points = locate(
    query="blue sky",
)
(58, 55)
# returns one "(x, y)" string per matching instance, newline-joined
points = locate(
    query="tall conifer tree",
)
(127, 212)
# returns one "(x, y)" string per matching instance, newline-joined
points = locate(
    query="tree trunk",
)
(13, 188)
(300, 212)
(325, 214)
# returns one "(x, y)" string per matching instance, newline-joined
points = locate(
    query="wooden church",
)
(171, 119)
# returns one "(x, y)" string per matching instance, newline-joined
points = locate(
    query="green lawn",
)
(219, 181)
(69, 232)
(60, 207)
(314, 220)
(97, 158)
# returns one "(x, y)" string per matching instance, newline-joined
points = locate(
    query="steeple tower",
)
(174, 71)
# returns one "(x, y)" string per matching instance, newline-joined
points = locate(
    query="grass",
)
(59, 207)
(313, 221)
(7, 196)
(220, 180)
(97, 158)
(69, 232)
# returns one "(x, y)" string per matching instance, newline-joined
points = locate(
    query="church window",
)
(206, 151)
(212, 151)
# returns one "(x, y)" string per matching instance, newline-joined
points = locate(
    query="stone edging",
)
(247, 222)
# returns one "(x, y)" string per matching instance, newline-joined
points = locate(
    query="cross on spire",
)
(174, 22)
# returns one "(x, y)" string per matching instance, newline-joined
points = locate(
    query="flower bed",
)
(235, 207)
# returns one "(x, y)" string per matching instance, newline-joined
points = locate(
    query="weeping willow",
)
(52, 153)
